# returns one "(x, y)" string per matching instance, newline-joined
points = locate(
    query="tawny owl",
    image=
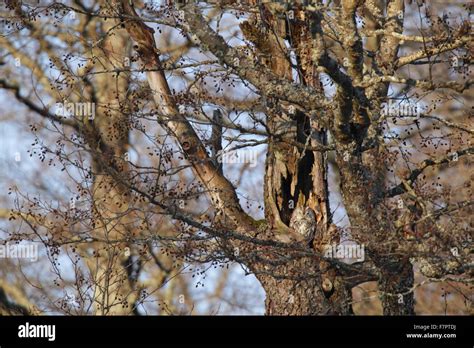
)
(303, 221)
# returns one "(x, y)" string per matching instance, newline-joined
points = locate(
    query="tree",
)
(373, 95)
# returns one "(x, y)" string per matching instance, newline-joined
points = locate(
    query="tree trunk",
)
(295, 178)
(396, 287)
(289, 291)
(115, 265)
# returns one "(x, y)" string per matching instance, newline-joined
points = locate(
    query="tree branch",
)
(33, 107)
(410, 179)
(222, 193)
(258, 75)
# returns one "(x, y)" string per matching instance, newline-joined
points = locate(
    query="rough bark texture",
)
(396, 284)
(303, 297)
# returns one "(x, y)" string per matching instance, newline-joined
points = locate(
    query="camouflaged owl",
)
(303, 222)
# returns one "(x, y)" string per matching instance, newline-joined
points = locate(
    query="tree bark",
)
(303, 296)
(113, 264)
(295, 177)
